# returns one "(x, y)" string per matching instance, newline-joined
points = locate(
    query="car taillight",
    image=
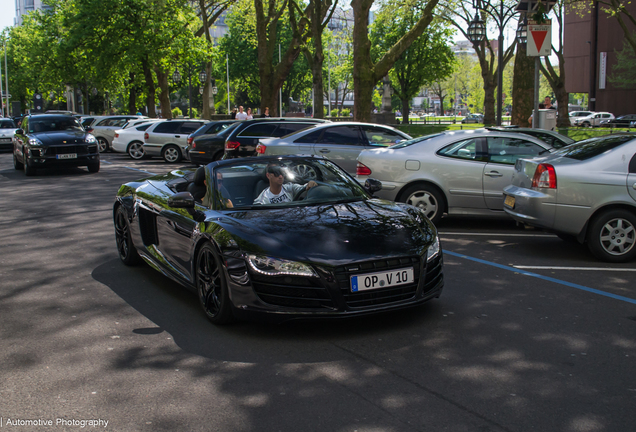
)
(544, 177)
(260, 148)
(146, 136)
(190, 138)
(194, 145)
(116, 135)
(363, 170)
(231, 145)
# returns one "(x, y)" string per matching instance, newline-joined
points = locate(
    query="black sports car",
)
(53, 140)
(329, 249)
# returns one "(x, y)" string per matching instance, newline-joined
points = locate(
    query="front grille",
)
(78, 150)
(289, 291)
(378, 296)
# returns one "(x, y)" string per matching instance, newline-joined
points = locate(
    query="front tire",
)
(29, 171)
(125, 247)
(171, 154)
(17, 165)
(93, 168)
(426, 198)
(612, 236)
(136, 150)
(211, 286)
(102, 145)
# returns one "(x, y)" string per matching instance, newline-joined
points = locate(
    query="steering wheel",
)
(299, 195)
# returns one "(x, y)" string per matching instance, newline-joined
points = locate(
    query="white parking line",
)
(618, 269)
(496, 234)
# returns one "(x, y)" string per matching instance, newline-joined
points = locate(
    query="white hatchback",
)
(130, 139)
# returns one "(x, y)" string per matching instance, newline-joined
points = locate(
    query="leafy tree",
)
(624, 71)
(428, 59)
(366, 72)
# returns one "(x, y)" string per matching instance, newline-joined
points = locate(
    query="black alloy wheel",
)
(211, 286)
(125, 248)
(17, 165)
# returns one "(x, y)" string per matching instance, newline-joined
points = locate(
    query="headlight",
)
(277, 267)
(35, 142)
(90, 139)
(433, 250)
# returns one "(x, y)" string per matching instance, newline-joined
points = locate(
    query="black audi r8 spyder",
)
(330, 250)
(53, 140)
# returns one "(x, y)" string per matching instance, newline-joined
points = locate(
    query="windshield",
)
(7, 124)
(414, 141)
(225, 132)
(57, 123)
(283, 183)
(592, 147)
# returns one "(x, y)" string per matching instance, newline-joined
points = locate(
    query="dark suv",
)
(244, 138)
(53, 140)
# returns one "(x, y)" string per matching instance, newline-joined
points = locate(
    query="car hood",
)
(332, 234)
(7, 132)
(58, 137)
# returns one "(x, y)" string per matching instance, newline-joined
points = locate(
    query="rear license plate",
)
(67, 156)
(384, 279)
(509, 201)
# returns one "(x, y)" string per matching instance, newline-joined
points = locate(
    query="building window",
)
(28, 5)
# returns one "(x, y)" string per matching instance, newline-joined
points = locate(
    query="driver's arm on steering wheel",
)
(310, 184)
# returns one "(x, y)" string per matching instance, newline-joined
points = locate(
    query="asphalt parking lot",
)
(531, 333)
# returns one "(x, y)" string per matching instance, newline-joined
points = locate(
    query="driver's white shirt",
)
(286, 194)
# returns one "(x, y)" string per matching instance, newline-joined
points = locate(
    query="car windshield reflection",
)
(54, 125)
(283, 183)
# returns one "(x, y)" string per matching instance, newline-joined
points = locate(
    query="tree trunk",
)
(522, 89)
(150, 85)
(563, 99)
(208, 108)
(318, 85)
(405, 109)
(132, 99)
(164, 93)
(489, 100)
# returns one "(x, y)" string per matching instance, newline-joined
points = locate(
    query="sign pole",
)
(539, 44)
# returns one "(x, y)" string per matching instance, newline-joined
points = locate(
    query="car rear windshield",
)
(593, 147)
(414, 141)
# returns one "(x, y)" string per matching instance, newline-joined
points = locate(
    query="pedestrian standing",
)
(249, 114)
(266, 113)
(233, 114)
(548, 103)
(241, 115)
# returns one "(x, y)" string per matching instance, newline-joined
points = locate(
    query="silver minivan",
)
(169, 138)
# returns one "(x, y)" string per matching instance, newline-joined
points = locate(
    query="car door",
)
(113, 125)
(503, 153)
(631, 178)
(342, 145)
(305, 143)
(460, 168)
(187, 127)
(175, 228)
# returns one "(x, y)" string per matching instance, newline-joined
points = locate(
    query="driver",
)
(278, 191)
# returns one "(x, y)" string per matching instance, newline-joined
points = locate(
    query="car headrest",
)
(199, 176)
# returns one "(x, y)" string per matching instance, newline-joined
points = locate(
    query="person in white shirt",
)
(279, 191)
(241, 115)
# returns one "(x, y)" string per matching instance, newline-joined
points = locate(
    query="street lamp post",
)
(501, 14)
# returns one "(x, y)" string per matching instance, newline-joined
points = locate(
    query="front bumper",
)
(59, 156)
(329, 296)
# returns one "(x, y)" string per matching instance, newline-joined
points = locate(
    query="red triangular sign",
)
(539, 37)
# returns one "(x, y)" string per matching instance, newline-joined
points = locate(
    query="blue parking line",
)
(547, 278)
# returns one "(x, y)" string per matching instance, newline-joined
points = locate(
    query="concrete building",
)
(23, 7)
(589, 47)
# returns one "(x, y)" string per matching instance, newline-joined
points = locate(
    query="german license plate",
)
(67, 156)
(385, 279)
(509, 201)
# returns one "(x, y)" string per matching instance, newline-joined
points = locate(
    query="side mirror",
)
(19, 132)
(181, 200)
(89, 129)
(372, 185)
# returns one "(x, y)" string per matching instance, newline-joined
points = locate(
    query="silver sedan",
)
(584, 192)
(339, 142)
(461, 172)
